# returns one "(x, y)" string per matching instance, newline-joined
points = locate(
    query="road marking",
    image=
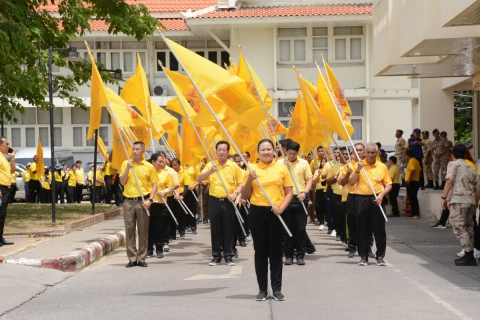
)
(235, 272)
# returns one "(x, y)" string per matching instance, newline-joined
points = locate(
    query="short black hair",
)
(292, 145)
(223, 142)
(263, 141)
(284, 142)
(319, 147)
(393, 159)
(410, 153)
(401, 131)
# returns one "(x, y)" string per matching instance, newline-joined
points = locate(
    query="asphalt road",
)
(413, 285)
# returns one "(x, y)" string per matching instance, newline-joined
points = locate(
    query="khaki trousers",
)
(135, 217)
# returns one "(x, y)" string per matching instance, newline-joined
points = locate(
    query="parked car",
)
(20, 195)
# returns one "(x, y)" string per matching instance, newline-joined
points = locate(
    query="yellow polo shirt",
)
(174, 175)
(46, 184)
(354, 166)
(394, 174)
(80, 176)
(33, 167)
(13, 177)
(301, 172)
(318, 172)
(72, 179)
(5, 171)
(146, 175)
(100, 176)
(26, 176)
(379, 176)
(332, 171)
(58, 177)
(181, 180)
(231, 174)
(108, 169)
(413, 164)
(164, 182)
(273, 177)
(189, 176)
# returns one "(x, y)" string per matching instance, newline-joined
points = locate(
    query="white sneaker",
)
(248, 238)
(476, 253)
(461, 253)
(321, 227)
(334, 233)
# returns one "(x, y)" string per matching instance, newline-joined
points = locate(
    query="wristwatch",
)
(306, 193)
(444, 198)
(151, 200)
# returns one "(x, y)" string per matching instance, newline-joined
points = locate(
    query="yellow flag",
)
(98, 99)
(192, 150)
(40, 163)
(277, 126)
(118, 153)
(337, 90)
(102, 149)
(175, 142)
(334, 116)
(140, 134)
(212, 79)
(298, 125)
(136, 92)
(162, 121)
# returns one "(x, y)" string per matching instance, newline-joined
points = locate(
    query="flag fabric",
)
(192, 150)
(140, 134)
(277, 126)
(118, 152)
(98, 98)
(175, 143)
(298, 129)
(212, 79)
(102, 149)
(40, 162)
(136, 91)
(162, 121)
(332, 113)
(337, 90)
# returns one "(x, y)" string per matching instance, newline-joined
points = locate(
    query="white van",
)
(63, 155)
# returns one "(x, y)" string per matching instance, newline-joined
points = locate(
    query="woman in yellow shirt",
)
(72, 184)
(184, 193)
(47, 191)
(319, 184)
(267, 230)
(58, 175)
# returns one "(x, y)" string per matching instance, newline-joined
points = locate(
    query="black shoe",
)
(131, 264)
(229, 261)
(243, 244)
(261, 296)
(363, 262)
(149, 253)
(215, 261)
(370, 253)
(438, 225)
(142, 264)
(329, 231)
(194, 231)
(235, 254)
(380, 262)
(422, 188)
(351, 253)
(288, 261)
(5, 242)
(394, 216)
(278, 296)
(159, 254)
(466, 260)
(300, 262)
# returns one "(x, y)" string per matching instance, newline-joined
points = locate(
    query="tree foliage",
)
(463, 122)
(26, 33)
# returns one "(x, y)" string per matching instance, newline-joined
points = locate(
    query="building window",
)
(103, 133)
(285, 110)
(30, 140)
(292, 44)
(29, 117)
(43, 116)
(169, 61)
(16, 140)
(348, 43)
(320, 43)
(57, 133)
(43, 134)
(357, 119)
(77, 136)
(79, 116)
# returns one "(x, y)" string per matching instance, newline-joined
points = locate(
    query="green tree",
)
(26, 33)
(463, 117)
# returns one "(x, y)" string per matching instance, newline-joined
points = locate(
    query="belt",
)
(219, 199)
(147, 196)
(2, 186)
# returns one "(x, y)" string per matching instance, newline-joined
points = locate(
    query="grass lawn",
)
(33, 217)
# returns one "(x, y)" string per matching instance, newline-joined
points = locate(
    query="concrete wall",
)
(436, 106)
(386, 116)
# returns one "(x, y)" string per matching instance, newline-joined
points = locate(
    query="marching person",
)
(320, 183)
(220, 203)
(108, 170)
(58, 176)
(368, 215)
(80, 175)
(159, 214)
(463, 181)
(6, 170)
(134, 209)
(267, 230)
(181, 193)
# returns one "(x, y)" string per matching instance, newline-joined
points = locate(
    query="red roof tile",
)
(170, 24)
(291, 11)
(159, 5)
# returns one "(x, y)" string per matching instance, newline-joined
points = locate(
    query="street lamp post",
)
(72, 56)
(117, 76)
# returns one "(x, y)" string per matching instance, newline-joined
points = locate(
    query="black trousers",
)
(64, 192)
(181, 217)
(296, 221)
(108, 185)
(393, 195)
(191, 203)
(339, 217)
(58, 192)
(3, 208)
(267, 233)
(329, 205)
(78, 193)
(157, 228)
(117, 191)
(369, 218)
(13, 191)
(70, 194)
(35, 190)
(412, 191)
(351, 222)
(422, 178)
(172, 226)
(320, 205)
(222, 216)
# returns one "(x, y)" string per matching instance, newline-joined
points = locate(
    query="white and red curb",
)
(77, 259)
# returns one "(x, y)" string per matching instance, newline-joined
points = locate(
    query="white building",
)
(274, 35)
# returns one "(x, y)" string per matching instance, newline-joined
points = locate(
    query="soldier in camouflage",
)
(428, 158)
(399, 150)
(440, 159)
(464, 185)
(443, 134)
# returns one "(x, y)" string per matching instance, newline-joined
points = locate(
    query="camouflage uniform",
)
(399, 150)
(439, 163)
(462, 201)
(450, 148)
(427, 163)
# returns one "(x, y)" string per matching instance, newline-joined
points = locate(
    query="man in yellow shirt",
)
(412, 178)
(6, 170)
(395, 176)
(368, 214)
(35, 186)
(108, 171)
(26, 181)
(294, 216)
(134, 209)
(80, 175)
(220, 202)
(334, 172)
(99, 184)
